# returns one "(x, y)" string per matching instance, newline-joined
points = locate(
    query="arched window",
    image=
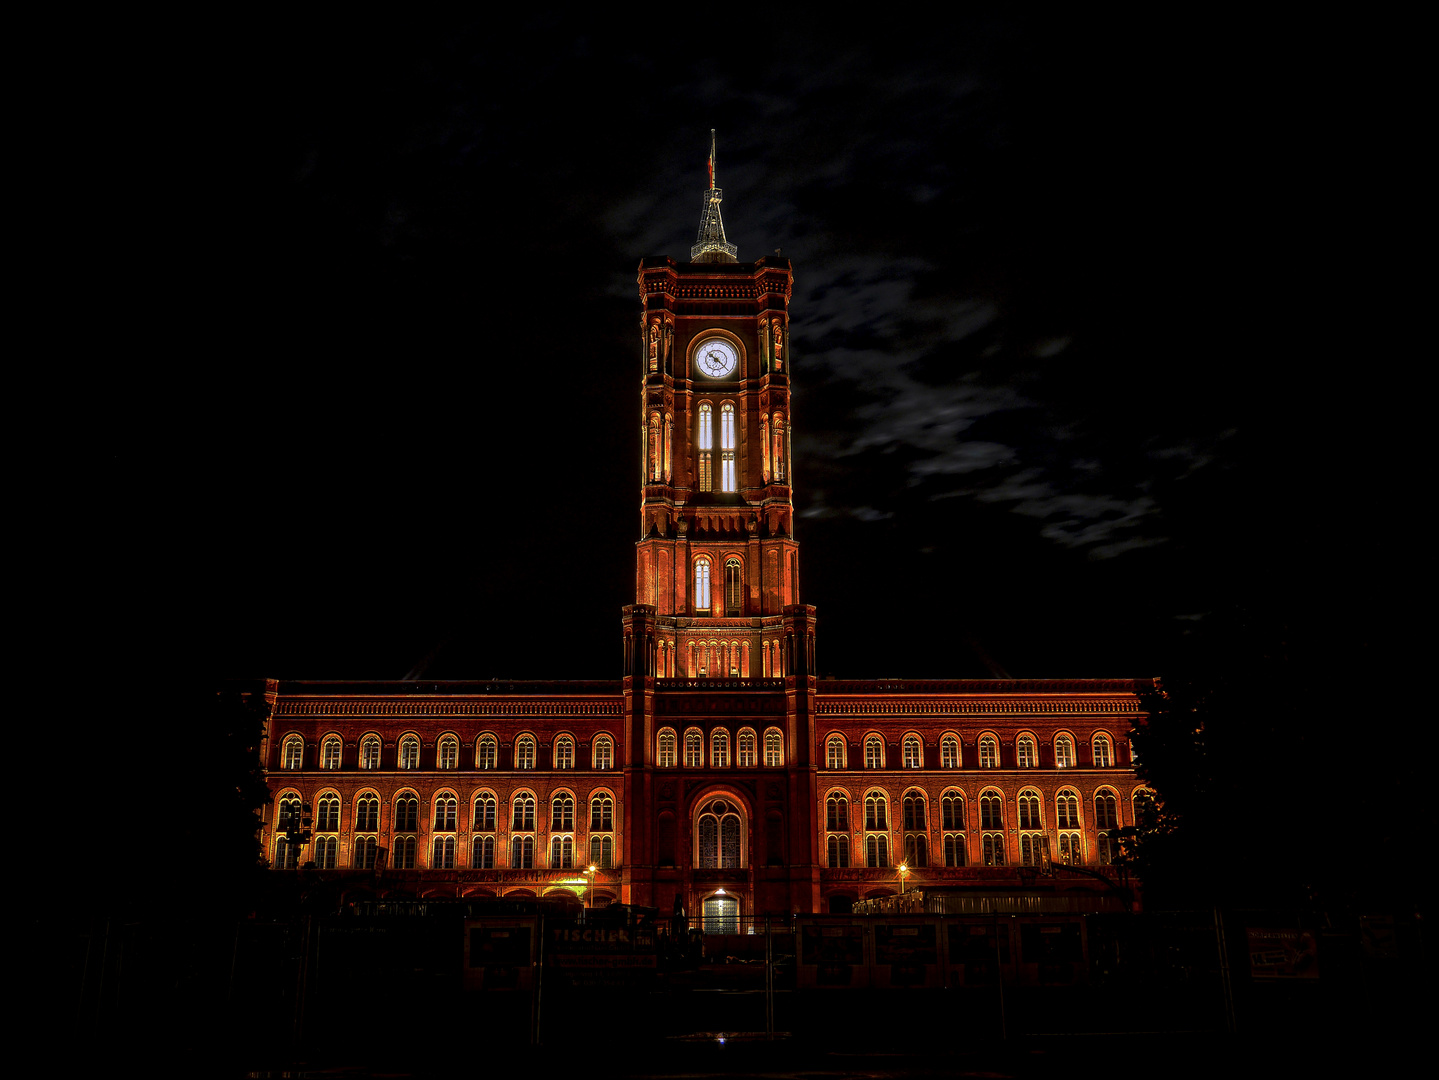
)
(1145, 808)
(603, 754)
(287, 855)
(773, 748)
(694, 749)
(705, 444)
(326, 849)
(916, 839)
(366, 852)
(447, 754)
(522, 852)
(403, 850)
(988, 752)
(876, 850)
(442, 856)
(292, 753)
(562, 852)
(407, 813)
(1031, 839)
(446, 808)
(522, 818)
(487, 753)
(873, 752)
(728, 481)
(1029, 810)
(1103, 752)
(779, 450)
(367, 812)
(562, 812)
(951, 815)
(1106, 821)
(764, 442)
(1025, 752)
(370, 752)
(564, 752)
(330, 752)
(1063, 752)
(718, 829)
(719, 749)
(666, 755)
(914, 817)
(602, 851)
(486, 807)
(327, 813)
(993, 849)
(409, 752)
(702, 584)
(876, 814)
(1066, 807)
(524, 752)
(602, 813)
(991, 821)
(837, 848)
(746, 749)
(913, 752)
(949, 752)
(836, 813)
(483, 855)
(834, 752)
(733, 591)
(654, 448)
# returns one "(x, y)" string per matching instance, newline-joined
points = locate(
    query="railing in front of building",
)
(719, 682)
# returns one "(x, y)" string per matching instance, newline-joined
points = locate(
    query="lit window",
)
(1026, 753)
(1032, 848)
(403, 854)
(1031, 843)
(873, 752)
(875, 812)
(1064, 752)
(706, 446)
(773, 748)
(483, 857)
(913, 805)
(988, 753)
(727, 443)
(1029, 810)
(326, 848)
(876, 850)
(993, 849)
(916, 841)
(1070, 851)
(562, 812)
(602, 851)
(290, 814)
(746, 749)
(913, 752)
(1066, 806)
(330, 753)
(1103, 752)
(834, 752)
(443, 854)
(448, 753)
(1106, 820)
(764, 442)
(916, 849)
(991, 821)
(719, 750)
(604, 753)
(523, 816)
(287, 855)
(485, 812)
(779, 449)
(954, 853)
(562, 852)
(524, 752)
(367, 812)
(951, 810)
(564, 753)
(370, 752)
(733, 590)
(487, 753)
(327, 814)
(837, 847)
(949, 752)
(407, 813)
(409, 752)
(446, 808)
(836, 813)
(667, 749)
(293, 752)
(694, 750)
(602, 813)
(702, 584)
(718, 829)
(367, 850)
(522, 852)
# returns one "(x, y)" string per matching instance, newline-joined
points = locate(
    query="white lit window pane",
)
(706, 431)
(727, 428)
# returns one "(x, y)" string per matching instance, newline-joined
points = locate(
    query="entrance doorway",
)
(721, 915)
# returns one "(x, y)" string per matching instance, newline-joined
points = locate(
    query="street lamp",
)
(903, 875)
(589, 872)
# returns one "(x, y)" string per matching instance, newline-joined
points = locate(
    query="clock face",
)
(716, 358)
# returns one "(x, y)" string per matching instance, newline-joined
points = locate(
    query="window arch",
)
(525, 752)
(367, 812)
(727, 447)
(1063, 752)
(773, 748)
(562, 812)
(370, 752)
(876, 811)
(602, 756)
(564, 752)
(1026, 752)
(949, 752)
(1103, 751)
(442, 853)
(330, 752)
(407, 812)
(951, 823)
(562, 852)
(991, 823)
(446, 812)
(719, 836)
(403, 852)
(487, 752)
(988, 752)
(733, 587)
(704, 443)
(779, 449)
(747, 752)
(327, 812)
(326, 852)
(834, 750)
(836, 811)
(1106, 822)
(873, 752)
(522, 812)
(522, 852)
(1032, 841)
(702, 584)
(602, 812)
(694, 749)
(666, 753)
(409, 752)
(292, 752)
(486, 807)
(447, 753)
(482, 853)
(913, 751)
(719, 749)
(916, 826)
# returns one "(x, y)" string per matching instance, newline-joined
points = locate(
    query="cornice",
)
(1028, 706)
(496, 707)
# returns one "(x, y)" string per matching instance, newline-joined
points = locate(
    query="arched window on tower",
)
(702, 586)
(764, 443)
(655, 457)
(694, 749)
(779, 448)
(718, 836)
(705, 444)
(733, 587)
(728, 481)
(773, 748)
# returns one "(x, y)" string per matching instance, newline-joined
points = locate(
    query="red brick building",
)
(718, 769)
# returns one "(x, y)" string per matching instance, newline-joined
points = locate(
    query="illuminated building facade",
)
(719, 769)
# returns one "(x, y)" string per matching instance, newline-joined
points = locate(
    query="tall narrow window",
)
(523, 816)
(913, 752)
(330, 753)
(445, 813)
(779, 448)
(719, 750)
(409, 752)
(666, 749)
(293, 753)
(733, 591)
(485, 806)
(654, 447)
(524, 752)
(486, 752)
(694, 750)
(746, 749)
(836, 815)
(988, 753)
(1025, 752)
(873, 752)
(1106, 820)
(564, 753)
(764, 442)
(407, 813)
(562, 812)
(1064, 752)
(949, 752)
(773, 748)
(834, 752)
(367, 812)
(604, 752)
(327, 814)
(914, 818)
(728, 480)
(718, 836)
(370, 752)
(702, 585)
(875, 812)
(1066, 805)
(602, 814)
(1103, 752)
(448, 753)
(706, 449)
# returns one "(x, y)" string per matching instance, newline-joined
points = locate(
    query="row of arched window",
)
(447, 752)
(986, 751)
(719, 751)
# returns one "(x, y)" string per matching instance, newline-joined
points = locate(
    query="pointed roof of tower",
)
(711, 245)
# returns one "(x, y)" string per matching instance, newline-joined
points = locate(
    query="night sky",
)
(1068, 296)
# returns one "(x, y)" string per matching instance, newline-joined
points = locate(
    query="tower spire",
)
(711, 245)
